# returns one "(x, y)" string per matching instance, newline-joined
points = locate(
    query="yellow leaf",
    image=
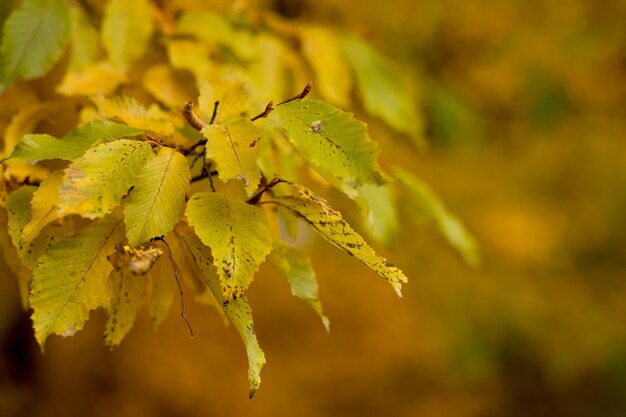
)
(129, 293)
(233, 148)
(134, 114)
(95, 183)
(25, 122)
(238, 235)
(126, 30)
(192, 56)
(316, 212)
(323, 50)
(83, 38)
(44, 206)
(155, 204)
(232, 96)
(169, 86)
(96, 78)
(378, 205)
(238, 312)
(71, 280)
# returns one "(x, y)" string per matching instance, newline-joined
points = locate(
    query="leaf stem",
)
(268, 110)
(305, 91)
(256, 197)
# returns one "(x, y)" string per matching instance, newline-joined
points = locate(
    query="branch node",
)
(266, 112)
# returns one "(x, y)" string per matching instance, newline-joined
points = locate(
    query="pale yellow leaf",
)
(134, 114)
(92, 79)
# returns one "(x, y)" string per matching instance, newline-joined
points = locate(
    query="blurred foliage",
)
(523, 105)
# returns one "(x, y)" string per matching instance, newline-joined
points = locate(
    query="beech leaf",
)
(316, 212)
(38, 147)
(296, 267)
(155, 204)
(71, 280)
(95, 183)
(333, 142)
(133, 113)
(238, 312)
(238, 235)
(33, 39)
(233, 148)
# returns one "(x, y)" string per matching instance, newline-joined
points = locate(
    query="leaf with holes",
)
(316, 212)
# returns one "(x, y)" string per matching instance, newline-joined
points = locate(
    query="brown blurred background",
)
(525, 104)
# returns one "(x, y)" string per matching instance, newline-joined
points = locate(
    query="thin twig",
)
(215, 106)
(268, 110)
(180, 288)
(256, 197)
(303, 94)
(204, 175)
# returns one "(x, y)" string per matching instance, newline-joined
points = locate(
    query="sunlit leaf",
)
(71, 280)
(238, 312)
(156, 202)
(164, 289)
(133, 113)
(233, 148)
(192, 56)
(232, 95)
(316, 212)
(126, 30)
(432, 209)
(33, 39)
(382, 89)
(37, 147)
(238, 235)
(295, 265)
(169, 86)
(25, 122)
(95, 183)
(333, 77)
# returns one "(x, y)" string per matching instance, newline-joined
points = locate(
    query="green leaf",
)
(84, 40)
(382, 89)
(238, 235)
(18, 207)
(129, 293)
(38, 147)
(155, 204)
(333, 142)
(379, 206)
(233, 148)
(316, 212)
(126, 30)
(96, 182)
(295, 265)
(238, 312)
(33, 39)
(433, 210)
(71, 280)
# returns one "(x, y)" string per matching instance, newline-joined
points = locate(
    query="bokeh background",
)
(524, 105)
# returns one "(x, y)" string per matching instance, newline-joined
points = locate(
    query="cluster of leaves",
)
(91, 213)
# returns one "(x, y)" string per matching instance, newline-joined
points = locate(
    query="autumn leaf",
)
(432, 209)
(238, 312)
(37, 147)
(378, 205)
(233, 148)
(155, 204)
(296, 267)
(126, 30)
(33, 39)
(129, 292)
(96, 182)
(238, 235)
(333, 142)
(382, 89)
(71, 279)
(316, 213)
(133, 113)
(84, 39)
(44, 206)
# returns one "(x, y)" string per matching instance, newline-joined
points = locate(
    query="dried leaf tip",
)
(191, 117)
